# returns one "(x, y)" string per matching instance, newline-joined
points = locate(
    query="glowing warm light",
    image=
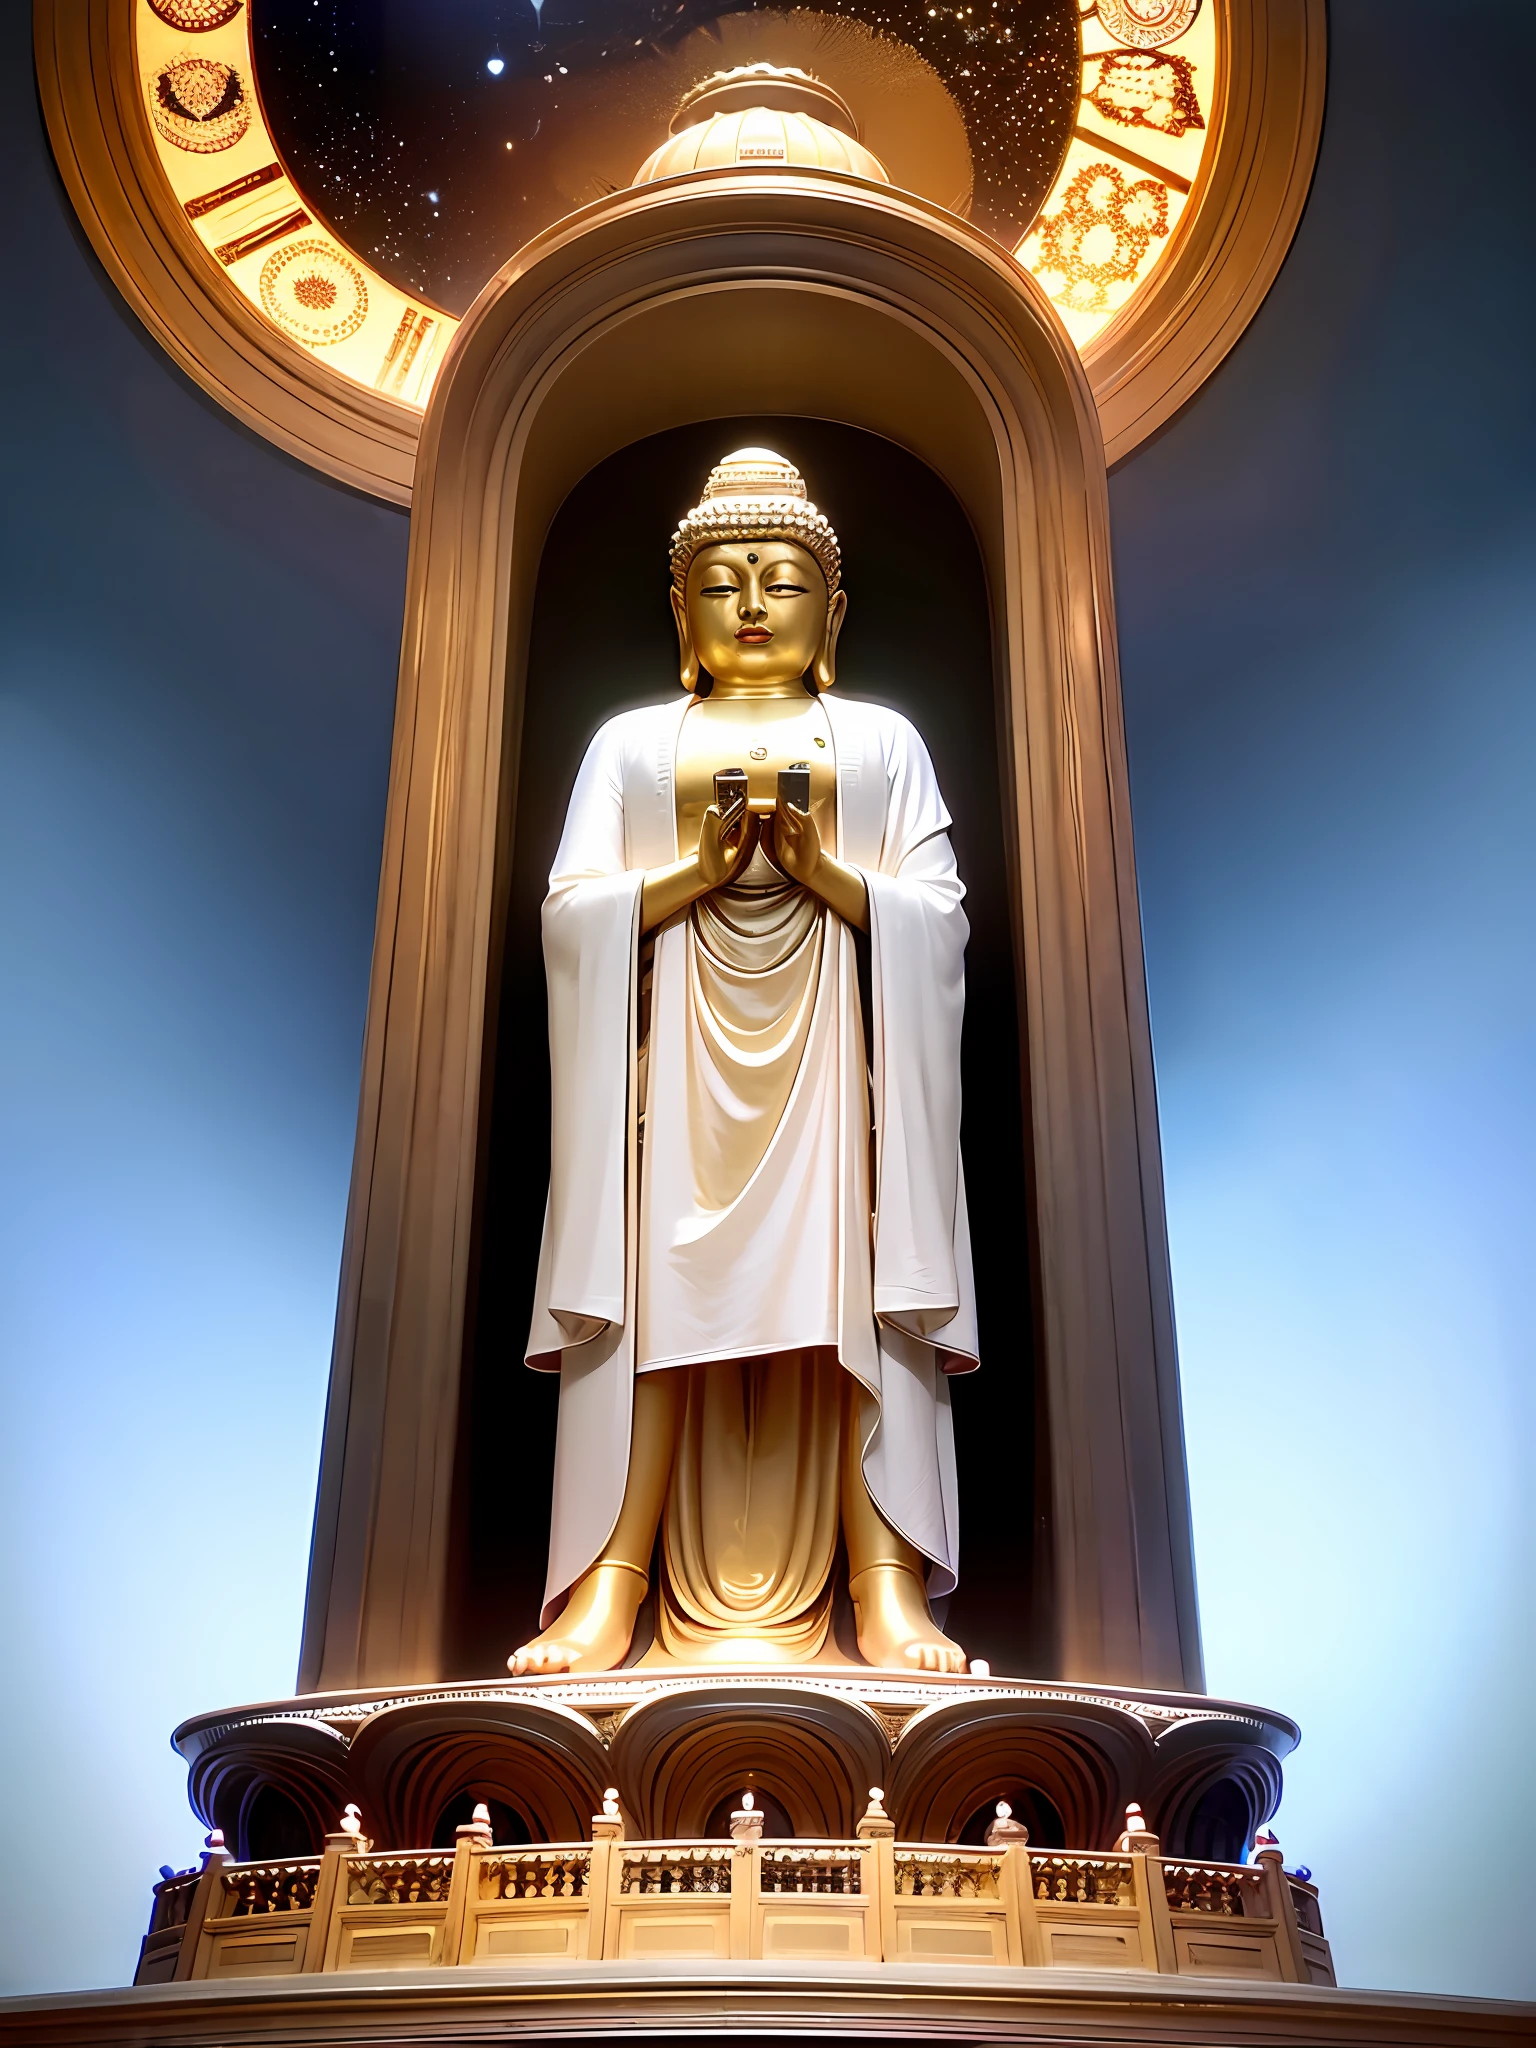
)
(220, 161)
(1145, 116)
(1143, 122)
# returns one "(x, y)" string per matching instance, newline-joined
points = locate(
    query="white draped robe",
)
(641, 1273)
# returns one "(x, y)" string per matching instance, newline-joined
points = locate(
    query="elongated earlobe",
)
(687, 660)
(824, 668)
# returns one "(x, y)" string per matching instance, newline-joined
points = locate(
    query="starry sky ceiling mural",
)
(359, 169)
(438, 139)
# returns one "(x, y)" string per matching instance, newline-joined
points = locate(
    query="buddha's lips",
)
(754, 636)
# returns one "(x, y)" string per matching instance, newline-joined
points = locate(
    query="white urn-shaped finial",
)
(477, 1830)
(347, 1836)
(608, 1826)
(747, 1821)
(1004, 1832)
(876, 1820)
(1137, 1839)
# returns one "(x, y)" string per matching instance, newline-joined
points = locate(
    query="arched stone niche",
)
(824, 297)
(602, 639)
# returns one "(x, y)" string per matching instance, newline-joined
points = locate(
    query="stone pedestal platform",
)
(701, 2001)
(664, 1816)
(574, 1859)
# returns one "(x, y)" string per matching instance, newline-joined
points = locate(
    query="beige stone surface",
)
(950, 2002)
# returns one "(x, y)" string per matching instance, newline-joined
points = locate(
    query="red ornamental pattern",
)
(196, 17)
(1139, 89)
(314, 293)
(1101, 233)
(1146, 24)
(199, 104)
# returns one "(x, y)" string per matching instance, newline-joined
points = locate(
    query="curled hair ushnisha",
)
(746, 513)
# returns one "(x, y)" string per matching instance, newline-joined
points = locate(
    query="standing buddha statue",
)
(755, 1275)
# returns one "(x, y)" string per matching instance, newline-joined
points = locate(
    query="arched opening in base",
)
(508, 1828)
(1035, 1809)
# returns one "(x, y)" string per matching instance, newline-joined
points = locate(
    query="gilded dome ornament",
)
(769, 116)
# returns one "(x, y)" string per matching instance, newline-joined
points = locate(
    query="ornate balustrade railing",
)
(817, 1868)
(535, 1873)
(1235, 1892)
(1083, 1880)
(173, 1901)
(399, 1880)
(869, 1899)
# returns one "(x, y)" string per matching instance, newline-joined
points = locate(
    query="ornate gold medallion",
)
(200, 104)
(1144, 24)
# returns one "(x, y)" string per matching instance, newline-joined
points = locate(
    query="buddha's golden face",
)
(755, 614)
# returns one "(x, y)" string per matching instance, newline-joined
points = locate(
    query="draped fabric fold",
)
(750, 1532)
(740, 1241)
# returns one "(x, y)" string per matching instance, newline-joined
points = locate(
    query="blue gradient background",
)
(1325, 588)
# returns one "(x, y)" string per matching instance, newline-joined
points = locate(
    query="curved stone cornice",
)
(1233, 236)
(700, 2001)
(604, 1698)
(92, 101)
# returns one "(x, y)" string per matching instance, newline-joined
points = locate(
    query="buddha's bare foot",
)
(895, 1629)
(592, 1631)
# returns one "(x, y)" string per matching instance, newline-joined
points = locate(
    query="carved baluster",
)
(1278, 1898)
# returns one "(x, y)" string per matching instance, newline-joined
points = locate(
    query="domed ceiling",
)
(437, 167)
(360, 168)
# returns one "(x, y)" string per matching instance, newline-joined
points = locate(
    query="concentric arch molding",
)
(1186, 313)
(678, 1743)
(93, 102)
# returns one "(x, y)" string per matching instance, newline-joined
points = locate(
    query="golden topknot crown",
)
(756, 495)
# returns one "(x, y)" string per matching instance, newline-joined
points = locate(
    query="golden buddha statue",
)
(755, 1274)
